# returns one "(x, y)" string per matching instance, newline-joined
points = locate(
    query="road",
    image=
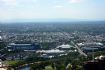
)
(79, 50)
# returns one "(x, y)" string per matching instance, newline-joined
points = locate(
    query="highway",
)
(79, 50)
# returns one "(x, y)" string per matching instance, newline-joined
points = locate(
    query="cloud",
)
(58, 6)
(17, 2)
(75, 1)
(9, 2)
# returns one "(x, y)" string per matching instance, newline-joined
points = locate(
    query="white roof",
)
(53, 51)
(40, 51)
(18, 44)
(80, 44)
(99, 43)
(89, 43)
(0, 37)
(64, 46)
(50, 51)
(100, 57)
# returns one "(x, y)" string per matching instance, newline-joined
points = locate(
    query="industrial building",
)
(52, 53)
(23, 47)
(91, 47)
(64, 47)
(58, 51)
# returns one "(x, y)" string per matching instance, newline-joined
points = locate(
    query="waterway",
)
(24, 68)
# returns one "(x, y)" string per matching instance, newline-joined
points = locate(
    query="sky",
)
(42, 10)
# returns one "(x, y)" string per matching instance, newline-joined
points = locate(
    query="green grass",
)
(11, 62)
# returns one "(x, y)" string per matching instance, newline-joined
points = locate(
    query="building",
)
(0, 38)
(91, 47)
(51, 53)
(58, 51)
(23, 47)
(98, 64)
(65, 47)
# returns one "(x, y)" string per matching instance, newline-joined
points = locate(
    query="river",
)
(25, 68)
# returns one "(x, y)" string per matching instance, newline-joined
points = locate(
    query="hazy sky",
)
(31, 10)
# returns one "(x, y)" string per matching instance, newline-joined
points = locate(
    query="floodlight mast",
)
(93, 55)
